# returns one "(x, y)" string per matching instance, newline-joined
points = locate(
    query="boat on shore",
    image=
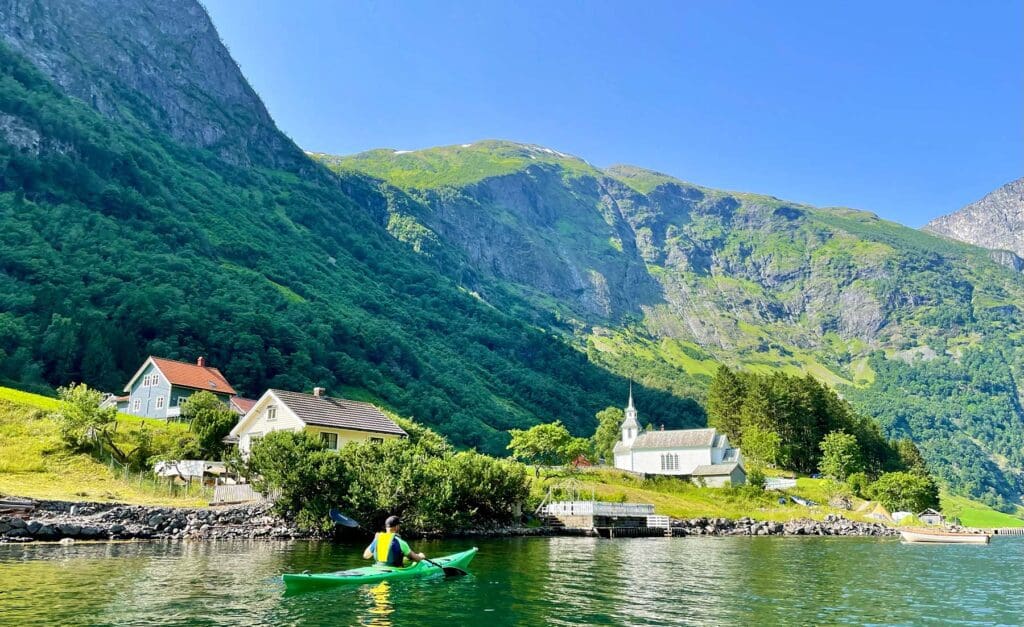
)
(944, 537)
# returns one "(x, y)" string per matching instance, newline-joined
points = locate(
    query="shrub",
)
(211, 420)
(859, 482)
(432, 488)
(82, 422)
(756, 478)
(840, 455)
(905, 491)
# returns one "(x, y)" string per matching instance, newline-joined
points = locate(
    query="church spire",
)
(630, 426)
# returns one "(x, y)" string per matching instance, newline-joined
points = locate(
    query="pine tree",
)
(725, 403)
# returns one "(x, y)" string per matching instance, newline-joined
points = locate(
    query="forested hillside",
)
(164, 216)
(663, 280)
(149, 205)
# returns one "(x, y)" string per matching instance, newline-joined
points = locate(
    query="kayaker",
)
(388, 548)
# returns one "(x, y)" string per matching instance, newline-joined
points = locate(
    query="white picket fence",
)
(236, 493)
(779, 483)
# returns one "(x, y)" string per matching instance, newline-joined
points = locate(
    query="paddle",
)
(345, 521)
(449, 571)
(342, 519)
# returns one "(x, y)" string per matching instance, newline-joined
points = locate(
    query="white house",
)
(337, 420)
(702, 455)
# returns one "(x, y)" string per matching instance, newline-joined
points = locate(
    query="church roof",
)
(679, 438)
(714, 470)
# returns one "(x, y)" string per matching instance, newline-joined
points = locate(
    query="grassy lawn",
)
(34, 462)
(26, 398)
(681, 499)
(974, 514)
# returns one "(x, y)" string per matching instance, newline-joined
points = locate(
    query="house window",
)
(376, 440)
(145, 381)
(181, 400)
(136, 405)
(159, 402)
(331, 439)
(271, 413)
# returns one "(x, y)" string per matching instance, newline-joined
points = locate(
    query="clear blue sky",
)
(908, 109)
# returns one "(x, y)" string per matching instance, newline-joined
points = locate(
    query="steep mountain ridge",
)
(996, 222)
(662, 279)
(137, 61)
(149, 206)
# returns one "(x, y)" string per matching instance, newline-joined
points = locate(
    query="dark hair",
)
(392, 521)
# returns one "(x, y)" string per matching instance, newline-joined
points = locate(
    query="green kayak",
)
(375, 573)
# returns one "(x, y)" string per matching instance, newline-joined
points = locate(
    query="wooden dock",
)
(1009, 531)
(633, 532)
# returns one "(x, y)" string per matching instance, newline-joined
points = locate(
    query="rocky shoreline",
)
(832, 525)
(64, 521)
(53, 521)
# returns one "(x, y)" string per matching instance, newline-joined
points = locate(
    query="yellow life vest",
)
(389, 551)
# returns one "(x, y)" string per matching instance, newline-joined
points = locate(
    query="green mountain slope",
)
(149, 206)
(661, 279)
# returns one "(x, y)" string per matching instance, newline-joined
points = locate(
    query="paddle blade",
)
(342, 519)
(449, 571)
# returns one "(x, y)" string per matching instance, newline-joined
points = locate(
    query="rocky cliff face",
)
(662, 279)
(996, 222)
(729, 272)
(135, 62)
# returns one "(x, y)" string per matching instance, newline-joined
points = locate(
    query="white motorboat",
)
(945, 537)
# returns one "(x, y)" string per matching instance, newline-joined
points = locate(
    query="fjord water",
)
(528, 581)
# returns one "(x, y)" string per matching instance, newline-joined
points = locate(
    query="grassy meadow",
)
(34, 463)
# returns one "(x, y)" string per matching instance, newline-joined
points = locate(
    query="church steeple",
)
(630, 426)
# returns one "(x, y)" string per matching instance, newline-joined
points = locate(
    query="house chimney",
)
(201, 362)
(319, 392)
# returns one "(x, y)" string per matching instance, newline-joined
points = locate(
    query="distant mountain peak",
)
(996, 221)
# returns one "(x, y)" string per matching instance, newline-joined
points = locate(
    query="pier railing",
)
(597, 508)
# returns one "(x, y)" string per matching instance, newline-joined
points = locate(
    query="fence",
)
(147, 481)
(236, 493)
(597, 508)
(661, 522)
(779, 483)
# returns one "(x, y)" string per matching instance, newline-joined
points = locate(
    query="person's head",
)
(392, 523)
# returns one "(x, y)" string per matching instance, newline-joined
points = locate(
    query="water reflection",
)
(381, 610)
(536, 581)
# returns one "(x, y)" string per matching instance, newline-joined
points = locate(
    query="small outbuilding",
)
(719, 475)
(931, 517)
(899, 516)
(878, 512)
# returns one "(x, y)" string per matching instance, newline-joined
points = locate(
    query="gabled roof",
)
(679, 438)
(339, 413)
(243, 405)
(186, 375)
(929, 512)
(714, 470)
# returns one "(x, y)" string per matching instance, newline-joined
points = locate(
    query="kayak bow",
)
(372, 574)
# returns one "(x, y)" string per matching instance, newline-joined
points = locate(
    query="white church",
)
(702, 455)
